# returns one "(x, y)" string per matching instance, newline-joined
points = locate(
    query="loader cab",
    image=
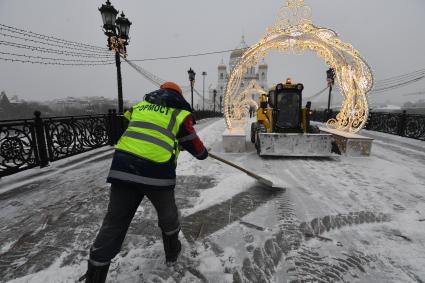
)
(286, 102)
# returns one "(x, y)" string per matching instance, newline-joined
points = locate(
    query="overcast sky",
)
(389, 34)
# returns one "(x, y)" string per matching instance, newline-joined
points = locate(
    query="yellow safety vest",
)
(152, 131)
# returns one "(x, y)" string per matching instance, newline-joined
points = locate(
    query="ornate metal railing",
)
(68, 136)
(402, 124)
(18, 150)
(25, 144)
(29, 143)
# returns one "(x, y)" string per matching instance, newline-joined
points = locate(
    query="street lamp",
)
(221, 100)
(203, 90)
(117, 31)
(192, 75)
(215, 93)
(330, 77)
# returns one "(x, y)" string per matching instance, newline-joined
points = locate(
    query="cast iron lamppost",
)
(203, 90)
(330, 75)
(192, 75)
(117, 31)
(221, 100)
(215, 93)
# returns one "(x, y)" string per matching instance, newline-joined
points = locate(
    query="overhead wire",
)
(397, 85)
(48, 37)
(54, 63)
(55, 59)
(403, 76)
(102, 49)
(317, 94)
(154, 79)
(54, 51)
(62, 45)
(185, 56)
(148, 75)
(398, 81)
(97, 52)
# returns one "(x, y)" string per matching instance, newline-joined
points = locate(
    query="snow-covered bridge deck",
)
(341, 219)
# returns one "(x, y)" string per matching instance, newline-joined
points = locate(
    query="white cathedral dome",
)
(240, 50)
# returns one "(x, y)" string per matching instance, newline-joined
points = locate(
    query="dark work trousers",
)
(123, 203)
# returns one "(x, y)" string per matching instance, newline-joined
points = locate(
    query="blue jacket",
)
(131, 165)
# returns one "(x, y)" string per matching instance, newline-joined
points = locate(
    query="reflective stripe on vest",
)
(150, 139)
(150, 126)
(141, 179)
(173, 119)
(152, 132)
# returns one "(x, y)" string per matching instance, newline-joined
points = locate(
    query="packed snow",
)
(339, 219)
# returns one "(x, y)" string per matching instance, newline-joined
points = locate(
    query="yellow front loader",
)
(283, 126)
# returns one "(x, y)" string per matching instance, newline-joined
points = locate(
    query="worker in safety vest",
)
(144, 164)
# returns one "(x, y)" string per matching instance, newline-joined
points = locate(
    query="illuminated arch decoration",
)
(294, 32)
(243, 101)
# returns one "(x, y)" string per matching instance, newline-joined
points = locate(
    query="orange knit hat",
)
(173, 86)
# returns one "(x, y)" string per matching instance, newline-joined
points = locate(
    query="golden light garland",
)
(118, 45)
(244, 102)
(294, 32)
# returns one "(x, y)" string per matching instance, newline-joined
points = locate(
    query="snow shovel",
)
(261, 180)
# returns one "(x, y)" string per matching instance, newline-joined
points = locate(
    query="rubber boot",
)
(96, 273)
(172, 247)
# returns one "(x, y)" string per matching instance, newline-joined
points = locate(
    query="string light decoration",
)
(244, 101)
(60, 45)
(55, 59)
(294, 32)
(49, 38)
(118, 45)
(52, 50)
(55, 63)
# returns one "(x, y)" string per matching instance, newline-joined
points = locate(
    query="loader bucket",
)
(294, 145)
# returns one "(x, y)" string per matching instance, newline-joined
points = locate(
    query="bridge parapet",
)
(401, 124)
(28, 143)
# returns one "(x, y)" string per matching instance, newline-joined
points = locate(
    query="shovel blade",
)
(267, 184)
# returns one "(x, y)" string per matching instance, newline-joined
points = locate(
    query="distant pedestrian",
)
(144, 164)
(251, 112)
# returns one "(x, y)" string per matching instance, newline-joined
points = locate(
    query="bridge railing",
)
(29, 143)
(204, 114)
(401, 124)
(18, 146)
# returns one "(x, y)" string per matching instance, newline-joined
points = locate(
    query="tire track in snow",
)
(304, 264)
(215, 217)
(307, 263)
(205, 222)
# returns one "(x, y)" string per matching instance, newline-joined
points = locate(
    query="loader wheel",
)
(253, 131)
(257, 143)
(260, 129)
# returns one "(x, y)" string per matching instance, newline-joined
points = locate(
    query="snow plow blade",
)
(295, 145)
